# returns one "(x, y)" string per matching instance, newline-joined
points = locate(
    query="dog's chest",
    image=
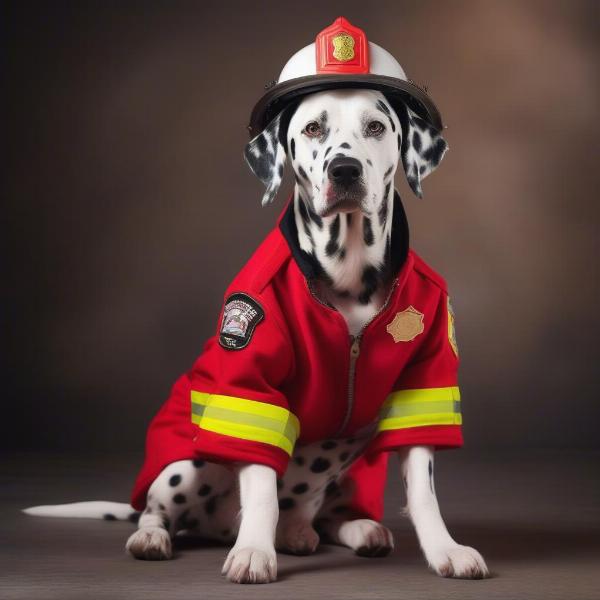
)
(356, 315)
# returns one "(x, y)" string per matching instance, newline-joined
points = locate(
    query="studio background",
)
(129, 207)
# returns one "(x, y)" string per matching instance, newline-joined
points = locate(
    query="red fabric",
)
(298, 359)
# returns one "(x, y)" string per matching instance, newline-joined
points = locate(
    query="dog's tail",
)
(96, 509)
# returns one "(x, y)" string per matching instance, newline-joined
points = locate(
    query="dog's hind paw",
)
(366, 537)
(150, 543)
(462, 562)
(297, 538)
(250, 565)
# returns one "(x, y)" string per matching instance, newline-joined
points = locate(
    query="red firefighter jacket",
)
(283, 370)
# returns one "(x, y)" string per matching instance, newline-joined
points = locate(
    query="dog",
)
(344, 147)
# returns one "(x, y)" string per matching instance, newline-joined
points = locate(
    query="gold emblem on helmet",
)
(406, 325)
(343, 45)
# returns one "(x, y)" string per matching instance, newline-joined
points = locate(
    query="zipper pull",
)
(355, 348)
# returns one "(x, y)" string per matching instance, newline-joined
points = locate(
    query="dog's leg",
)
(170, 499)
(252, 559)
(444, 555)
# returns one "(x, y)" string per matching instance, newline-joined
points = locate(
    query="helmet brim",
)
(283, 94)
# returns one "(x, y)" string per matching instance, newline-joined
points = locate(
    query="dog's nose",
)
(344, 171)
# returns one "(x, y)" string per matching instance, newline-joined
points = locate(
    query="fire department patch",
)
(451, 329)
(406, 325)
(240, 316)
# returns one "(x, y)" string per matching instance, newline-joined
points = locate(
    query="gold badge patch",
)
(451, 329)
(406, 325)
(343, 45)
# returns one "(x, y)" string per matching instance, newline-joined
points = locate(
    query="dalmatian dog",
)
(344, 147)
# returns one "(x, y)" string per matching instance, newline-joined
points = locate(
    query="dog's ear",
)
(422, 148)
(266, 154)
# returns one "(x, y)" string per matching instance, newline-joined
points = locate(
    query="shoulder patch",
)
(451, 328)
(240, 317)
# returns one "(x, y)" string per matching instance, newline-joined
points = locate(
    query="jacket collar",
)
(311, 268)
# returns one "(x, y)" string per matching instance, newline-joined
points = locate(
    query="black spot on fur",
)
(280, 170)
(368, 232)
(286, 503)
(302, 172)
(434, 153)
(261, 143)
(369, 162)
(293, 148)
(383, 107)
(175, 480)
(382, 213)
(319, 465)
(300, 488)
(344, 456)
(392, 124)
(345, 145)
(334, 230)
(204, 490)
(184, 521)
(327, 152)
(161, 506)
(399, 142)
(315, 218)
(422, 169)
(329, 445)
(198, 463)
(109, 517)
(179, 499)
(332, 488)
(166, 523)
(325, 163)
(417, 142)
(299, 460)
(370, 281)
(405, 483)
(315, 154)
(387, 173)
(430, 469)
(211, 505)
(342, 254)
(148, 510)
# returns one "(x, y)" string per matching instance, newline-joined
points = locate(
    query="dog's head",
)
(344, 147)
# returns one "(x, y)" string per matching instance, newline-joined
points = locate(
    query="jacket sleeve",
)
(236, 406)
(423, 407)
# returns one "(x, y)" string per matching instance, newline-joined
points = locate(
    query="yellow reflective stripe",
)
(418, 408)
(245, 419)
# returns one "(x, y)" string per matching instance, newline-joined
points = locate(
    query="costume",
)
(282, 370)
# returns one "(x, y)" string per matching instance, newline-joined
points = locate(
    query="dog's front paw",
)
(366, 537)
(250, 565)
(150, 543)
(458, 561)
(297, 538)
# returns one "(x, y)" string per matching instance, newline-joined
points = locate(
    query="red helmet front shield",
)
(342, 48)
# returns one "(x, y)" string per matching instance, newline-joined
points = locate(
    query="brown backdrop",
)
(128, 207)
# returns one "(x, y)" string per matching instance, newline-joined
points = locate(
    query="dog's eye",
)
(313, 129)
(375, 128)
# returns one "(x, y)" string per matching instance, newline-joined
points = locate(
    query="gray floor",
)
(536, 519)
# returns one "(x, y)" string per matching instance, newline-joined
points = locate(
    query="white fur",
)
(252, 559)
(444, 555)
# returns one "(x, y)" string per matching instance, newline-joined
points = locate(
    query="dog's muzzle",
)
(346, 188)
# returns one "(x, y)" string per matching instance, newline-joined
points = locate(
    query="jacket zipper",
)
(354, 351)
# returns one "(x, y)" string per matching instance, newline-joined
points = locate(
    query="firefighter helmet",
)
(342, 57)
